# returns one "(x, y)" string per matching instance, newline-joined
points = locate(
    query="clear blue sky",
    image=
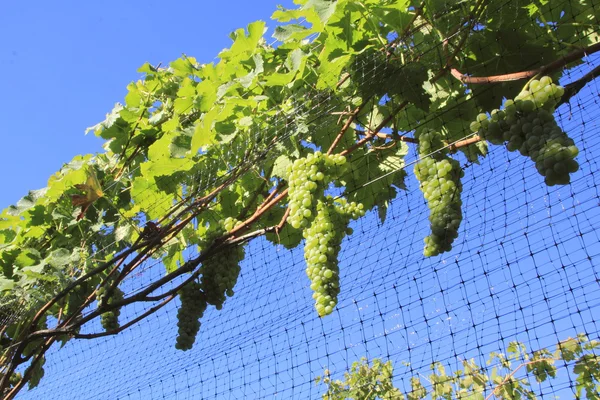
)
(63, 66)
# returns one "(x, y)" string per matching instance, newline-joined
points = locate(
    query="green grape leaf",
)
(182, 105)
(110, 120)
(147, 68)
(123, 233)
(184, 66)
(181, 143)
(37, 373)
(204, 134)
(173, 258)
(62, 257)
(569, 349)
(244, 45)
(280, 167)
(289, 32)
(148, 198)
(37, 273)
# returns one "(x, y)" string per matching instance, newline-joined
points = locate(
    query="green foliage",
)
(363, 382)
(510, 377)
(196, 143)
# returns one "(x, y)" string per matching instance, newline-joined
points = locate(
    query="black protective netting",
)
(524, 268)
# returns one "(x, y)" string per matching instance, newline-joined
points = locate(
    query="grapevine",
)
(527, 124)
(323, 239)
(193, 305)
(439, 177)
(308, 178)
(195, 141)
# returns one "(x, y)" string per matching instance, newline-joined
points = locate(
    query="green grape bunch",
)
(221, 270)
(440, 181)
(110, 319)
(308, 178)
(219, 274)
(193, 305)
(229, 223)
(323, 239)
(527, 124)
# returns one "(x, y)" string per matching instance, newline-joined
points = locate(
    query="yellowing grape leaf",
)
(91, 192)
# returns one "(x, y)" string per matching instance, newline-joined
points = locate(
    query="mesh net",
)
(524, 268)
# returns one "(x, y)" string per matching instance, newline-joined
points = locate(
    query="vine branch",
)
(553, 66)
(349, 121)
(372, 134)
(574, 87)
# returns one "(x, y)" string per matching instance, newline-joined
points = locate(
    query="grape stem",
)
(266, 206)
(553, 66)
(258, 192)
(370, 135)
(349, 121)
(281, 223)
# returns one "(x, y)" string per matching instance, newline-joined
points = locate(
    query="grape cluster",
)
(526, 124)
(308, 178)
(229, 223)
(220, 271)
(439, 177)
(323, 239)
(110, 319)
(219, 276)
(430, 141)
(193, 305)
(13, 381)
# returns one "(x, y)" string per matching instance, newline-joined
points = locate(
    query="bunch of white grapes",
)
(110, 319)
(193, 305)
(439, 177)
(221, 270)
(308, 178)
(229, 223)
(219, 274)
(323, 239)
(527, 124)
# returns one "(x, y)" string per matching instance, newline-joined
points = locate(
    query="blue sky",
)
(524, 267)
(64, 64)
